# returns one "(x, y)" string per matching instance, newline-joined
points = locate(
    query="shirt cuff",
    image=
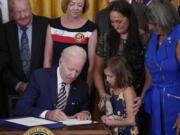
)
(17, 85)
(88, 114)
(43, 114)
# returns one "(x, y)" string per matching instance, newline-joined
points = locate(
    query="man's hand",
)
(81, 116)
(137, 104)
(22, 87)
(57, 115)
(177, 126)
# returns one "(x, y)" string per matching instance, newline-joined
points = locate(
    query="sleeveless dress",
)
(162, 98)
(119, 108)
(64, 37)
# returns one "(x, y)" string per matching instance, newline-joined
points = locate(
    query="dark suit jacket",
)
(41, 94)
(15, 73)
(3, 51)
(102, 17)
(139, 11)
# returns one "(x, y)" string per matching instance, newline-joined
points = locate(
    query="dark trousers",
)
(144, 122)
(3, 101)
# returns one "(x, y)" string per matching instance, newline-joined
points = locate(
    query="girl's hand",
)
(177, 126)
(106, 120)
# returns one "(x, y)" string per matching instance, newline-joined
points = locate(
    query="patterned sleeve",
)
(100, 46)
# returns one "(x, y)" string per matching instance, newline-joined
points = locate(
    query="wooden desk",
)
(91, 129)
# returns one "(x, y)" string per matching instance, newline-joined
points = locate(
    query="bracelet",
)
(47, 114)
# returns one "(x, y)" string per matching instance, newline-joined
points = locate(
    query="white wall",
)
(5, 11)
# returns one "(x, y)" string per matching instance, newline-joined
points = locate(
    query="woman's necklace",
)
(161, 39)
(122, 44)
(123, 41)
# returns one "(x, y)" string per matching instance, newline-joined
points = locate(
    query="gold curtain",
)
(52, 8)
(176, 3)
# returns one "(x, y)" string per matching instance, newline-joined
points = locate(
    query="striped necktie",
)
(61, 98)
(25, 52)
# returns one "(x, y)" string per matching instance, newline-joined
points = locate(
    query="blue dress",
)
(162, 98)
(119, 108)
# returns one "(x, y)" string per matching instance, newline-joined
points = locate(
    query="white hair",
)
(163, 14)
(74, 51)
(11, 2)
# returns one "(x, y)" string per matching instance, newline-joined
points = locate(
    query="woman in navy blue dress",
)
(161, 91)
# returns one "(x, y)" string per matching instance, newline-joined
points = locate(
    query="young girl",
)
(119, 77)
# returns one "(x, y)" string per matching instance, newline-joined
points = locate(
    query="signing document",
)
(72, 122)
(31, 121)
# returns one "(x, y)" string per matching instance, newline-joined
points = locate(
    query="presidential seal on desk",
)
(39, 131)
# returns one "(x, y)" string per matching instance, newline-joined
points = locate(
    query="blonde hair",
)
(64, 5)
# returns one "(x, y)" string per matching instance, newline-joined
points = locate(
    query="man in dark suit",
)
(40, 97)
(3, 64)
(139, 10)
(102, 17)
(0, 14)
(35, 26)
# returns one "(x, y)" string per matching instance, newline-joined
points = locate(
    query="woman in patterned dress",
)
(123, 38)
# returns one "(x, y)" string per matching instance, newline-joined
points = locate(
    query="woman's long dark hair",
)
(133, 44)
(133, 49)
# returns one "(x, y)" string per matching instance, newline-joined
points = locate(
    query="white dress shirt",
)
(59, 85)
